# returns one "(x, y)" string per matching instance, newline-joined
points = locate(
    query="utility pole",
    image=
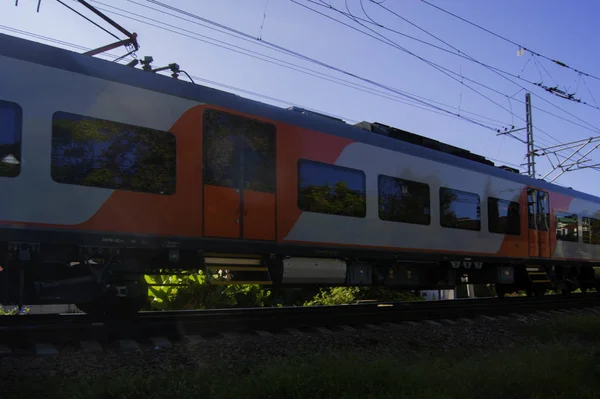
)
(575, 161)
(530, 147)
(529, 127)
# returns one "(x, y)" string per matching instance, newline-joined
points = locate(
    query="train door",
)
(239, 177)
(538, 210)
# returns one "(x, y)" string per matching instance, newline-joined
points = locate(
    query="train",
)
(109, 172)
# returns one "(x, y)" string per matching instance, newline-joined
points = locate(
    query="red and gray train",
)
(108, 172)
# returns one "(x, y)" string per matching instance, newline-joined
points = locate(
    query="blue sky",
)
(561, 30)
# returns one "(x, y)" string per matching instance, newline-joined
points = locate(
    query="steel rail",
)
(25, 331)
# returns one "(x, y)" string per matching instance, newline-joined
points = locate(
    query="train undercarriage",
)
(110, 283)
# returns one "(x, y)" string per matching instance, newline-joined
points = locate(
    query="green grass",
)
(566, 328)
(564, 364)
(552, 372)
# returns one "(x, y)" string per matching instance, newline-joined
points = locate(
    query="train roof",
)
(370, 133)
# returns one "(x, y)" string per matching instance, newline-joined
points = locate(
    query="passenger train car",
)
(108, 172)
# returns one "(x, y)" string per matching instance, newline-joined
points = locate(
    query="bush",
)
(192, 291)
(348, 295)
(170, 292)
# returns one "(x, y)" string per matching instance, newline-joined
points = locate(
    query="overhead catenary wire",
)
(249, 38)
(591, 128)
(562, 64)
(497, 71)
(456, 51)
(399, 92)
(480, 118)
(446, 71)
(395, 45)
(491, 68)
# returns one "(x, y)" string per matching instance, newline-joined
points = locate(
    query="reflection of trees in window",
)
(230, 139)
(538, 210)
(220, 162)
(331, 189)
(259, 156)
(590, 230)
(10, 139)
(567, 226)
(403, 201)
(532, 208)
(101, 153)
(543, 211)
(504, 216)
(459, 209)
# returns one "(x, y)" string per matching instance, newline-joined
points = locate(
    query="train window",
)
(567, 226)
(331, 189)
(590, 230)
(504, 217)
(403, 201)
(459, 209)
(100, 153)
(532, 208)
(224, 136)
(258, 156)
(543, 211)
(538, 210)
(11, 116)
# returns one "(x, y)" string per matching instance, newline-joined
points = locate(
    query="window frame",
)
(509, 203)
(442, 214)
(557, 215)
(18, 133)
(56, 116)
(404, 182)
(335, 167)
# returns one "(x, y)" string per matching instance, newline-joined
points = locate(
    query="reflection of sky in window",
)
(313, 174)
(465, 205)
(502, 209)
(8, 133)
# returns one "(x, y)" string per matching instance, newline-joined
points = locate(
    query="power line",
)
(509, 41)
(439, 68)
(289, 65)
(254, 41)
(496, 70)
(456, 51)
(390, 42)
(394, 90)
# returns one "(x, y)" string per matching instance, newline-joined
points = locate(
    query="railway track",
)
(50, 334)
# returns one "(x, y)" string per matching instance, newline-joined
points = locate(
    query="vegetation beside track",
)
(192, 291)
(560, 362)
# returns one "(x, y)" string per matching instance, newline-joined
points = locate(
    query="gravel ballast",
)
(248, 351)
